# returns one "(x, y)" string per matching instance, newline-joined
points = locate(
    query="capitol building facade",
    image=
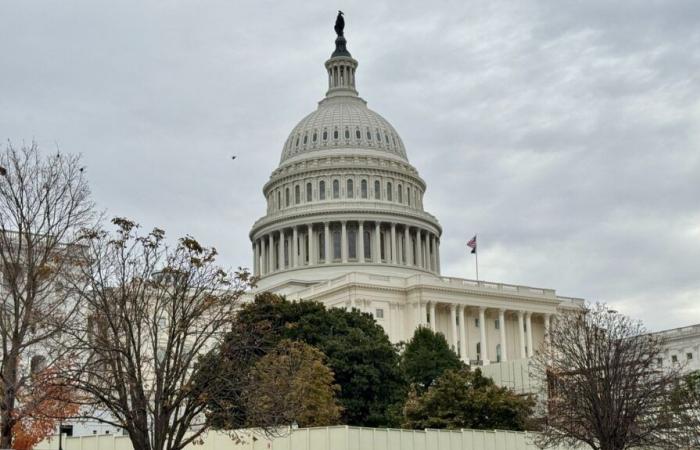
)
(345, 226)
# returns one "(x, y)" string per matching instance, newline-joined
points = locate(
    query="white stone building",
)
(681, 347)
(345, 226)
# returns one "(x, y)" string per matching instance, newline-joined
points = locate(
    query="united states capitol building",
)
(345, 226)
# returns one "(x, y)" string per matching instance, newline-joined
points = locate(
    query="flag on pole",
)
(472, 244)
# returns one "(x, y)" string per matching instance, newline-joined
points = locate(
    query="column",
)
(377, 243)
(437, 254)
(344, 241)
(433, 261)
(433, 316)
(502, 326)
(361, 237)
(406, 242)
(271, 252)
(263, 266)
(280, 250)
(256, 258)
(462, 335)
(419, 249)
(528, 320)
(393, 244)
(453, 319)
(521, 327)
(310, 243)
(294, 260)
(482, 330)
(547, 318)
(327, 242)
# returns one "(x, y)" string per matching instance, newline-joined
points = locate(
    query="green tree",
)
(466, 399)
(292, 384)
(365, 363)
(426, 356)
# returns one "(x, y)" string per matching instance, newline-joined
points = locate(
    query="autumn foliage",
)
(45, 405)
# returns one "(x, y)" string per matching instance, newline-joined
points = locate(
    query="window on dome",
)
(321, 246)
(306, 138)
(335, 134)
(352, 244)
(363, 188)
(286, 197)
(382, 243)
(408, 196)
(336, 189)
(297, 195)
(297, 144)
(279, 200)
(377, 190)
(309, 192)
(368, 246)
(386, 138)
(393, 139)
(321, 190)
(389, 193)
(347, 134)
(286, 252)
(369, 135)
(379, 138)
(358, 135)
(349, 187)
(399, 191)
(336, 245)
(313, 138)
(325, 135)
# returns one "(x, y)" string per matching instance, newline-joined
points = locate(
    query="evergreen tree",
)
(426, 356)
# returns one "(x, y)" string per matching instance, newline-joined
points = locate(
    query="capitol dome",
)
(344, 197)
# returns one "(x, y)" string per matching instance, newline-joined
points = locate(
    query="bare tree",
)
(151, 311)
(603, 387)
(44, 206)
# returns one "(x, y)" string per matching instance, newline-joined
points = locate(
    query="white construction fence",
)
(329, 438)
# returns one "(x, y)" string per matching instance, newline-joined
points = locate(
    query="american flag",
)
(472, 244)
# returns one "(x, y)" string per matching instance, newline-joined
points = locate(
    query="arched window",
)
(408, 196)
(297, 143)
(352, 244)
(286, 197)
(286, 252)
(347, 134)
(297, 194)
(335, 134)
(325, 135)
(368, 246)
(377, 190)
(309, 192)
(389, 193)
(336, 189)
(313, 138)
(369, 135)
(321, 190)
(349, 193)
(358, 135)
(279, 200)
(363, 188)
(382, 252)
(322, 246)
(399, 191)
(336, 245)
(306, 138)
(478, 351)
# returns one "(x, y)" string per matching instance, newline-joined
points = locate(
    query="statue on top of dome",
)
(339, 24)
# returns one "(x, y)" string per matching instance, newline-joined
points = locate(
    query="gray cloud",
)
(566, 133)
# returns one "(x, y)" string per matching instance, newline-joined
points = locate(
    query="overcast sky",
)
(566, 133)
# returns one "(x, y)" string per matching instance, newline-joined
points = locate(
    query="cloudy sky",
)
(566, 133)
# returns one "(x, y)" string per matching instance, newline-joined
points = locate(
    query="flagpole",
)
(476, 255)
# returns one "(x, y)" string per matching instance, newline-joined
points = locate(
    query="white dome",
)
(343, 123)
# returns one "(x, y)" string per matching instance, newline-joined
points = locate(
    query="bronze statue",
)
(339, 24)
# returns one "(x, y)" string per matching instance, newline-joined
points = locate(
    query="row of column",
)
(316, 244)
(458, 331)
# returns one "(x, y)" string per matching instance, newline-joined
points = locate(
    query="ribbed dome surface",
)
(343, 123)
